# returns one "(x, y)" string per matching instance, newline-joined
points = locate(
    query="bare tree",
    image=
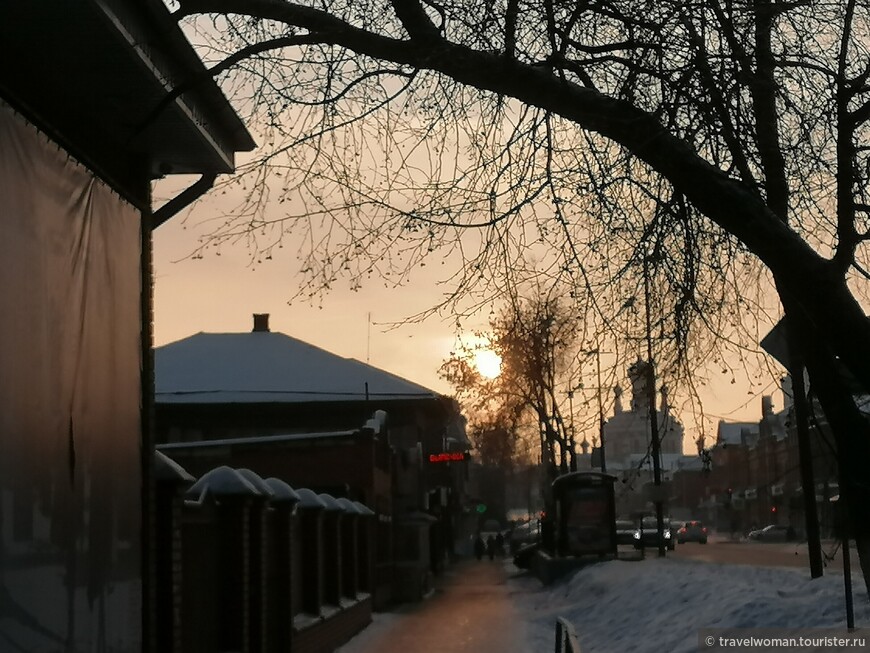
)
(537, 341)
(580, 140)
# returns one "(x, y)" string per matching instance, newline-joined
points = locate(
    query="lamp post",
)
(653, 414)
(573, 450)
(597, 352)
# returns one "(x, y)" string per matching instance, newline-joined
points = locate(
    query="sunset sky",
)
(220, 294)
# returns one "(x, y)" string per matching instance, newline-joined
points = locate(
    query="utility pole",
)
(653, 414)
(597, 352)
(573, 450)
(600, 408)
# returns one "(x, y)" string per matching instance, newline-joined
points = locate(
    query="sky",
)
(662, 605)
(221, 293)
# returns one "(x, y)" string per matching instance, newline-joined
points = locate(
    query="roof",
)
(732, 432)
(268, 367)
(114, 64)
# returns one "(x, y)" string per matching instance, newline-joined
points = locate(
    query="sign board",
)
(446, 457)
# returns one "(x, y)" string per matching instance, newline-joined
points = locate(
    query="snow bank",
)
(660, 604)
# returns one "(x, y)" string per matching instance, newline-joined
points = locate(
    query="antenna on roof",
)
(369, 338)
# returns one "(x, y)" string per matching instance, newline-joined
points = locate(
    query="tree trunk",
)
(849, 427)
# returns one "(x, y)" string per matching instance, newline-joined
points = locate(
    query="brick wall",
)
(329, 634)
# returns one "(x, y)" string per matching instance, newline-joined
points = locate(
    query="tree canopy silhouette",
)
(581, 141)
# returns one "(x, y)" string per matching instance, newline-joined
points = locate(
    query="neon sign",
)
(446, 457)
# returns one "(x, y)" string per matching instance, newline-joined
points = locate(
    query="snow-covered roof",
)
(733, 432)
(268, 367)
(669, 462)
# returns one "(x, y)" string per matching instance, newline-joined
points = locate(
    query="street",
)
(791, 554)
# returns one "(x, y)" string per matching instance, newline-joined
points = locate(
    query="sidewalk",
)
(471, 611)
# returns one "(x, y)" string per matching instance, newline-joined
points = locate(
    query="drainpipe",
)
(184, 199)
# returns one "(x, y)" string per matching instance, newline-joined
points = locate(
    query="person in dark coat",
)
(499, 545)
(479, 547)
(490, 547)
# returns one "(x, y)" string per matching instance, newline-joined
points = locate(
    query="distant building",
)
(627, 434)
(754, 478)
(737, 433)
(628, 444)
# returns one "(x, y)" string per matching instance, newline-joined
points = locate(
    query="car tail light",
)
(682, 530)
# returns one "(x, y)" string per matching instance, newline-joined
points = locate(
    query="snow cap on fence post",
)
(221, 482)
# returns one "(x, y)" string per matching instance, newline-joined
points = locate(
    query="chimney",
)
(261, 322)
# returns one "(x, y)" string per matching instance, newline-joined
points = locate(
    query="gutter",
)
(184, 199)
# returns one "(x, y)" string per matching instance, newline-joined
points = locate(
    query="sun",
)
(488, 363)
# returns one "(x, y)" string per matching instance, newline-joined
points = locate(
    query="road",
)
(763, 554)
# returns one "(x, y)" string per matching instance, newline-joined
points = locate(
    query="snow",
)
(661, 604)
(268, 367)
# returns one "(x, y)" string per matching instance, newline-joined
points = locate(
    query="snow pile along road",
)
(661, 604)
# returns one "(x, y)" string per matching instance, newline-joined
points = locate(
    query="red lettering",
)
(446, 457)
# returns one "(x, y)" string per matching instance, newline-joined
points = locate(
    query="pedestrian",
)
(478, 547)
(499, 545)
(490, 547)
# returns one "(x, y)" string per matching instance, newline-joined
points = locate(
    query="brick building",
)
(754, 476)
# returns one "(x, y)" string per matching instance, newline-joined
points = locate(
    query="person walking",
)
(479, 547)
(499, 545)
(490, 547)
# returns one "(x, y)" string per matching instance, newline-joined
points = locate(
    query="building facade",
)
(288, 409)
(79, 146)
(754, 473)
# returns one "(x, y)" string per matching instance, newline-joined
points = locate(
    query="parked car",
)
(772, 533)
(648, 536)
(524, 555)
(692, 531)
(625, 529)
(523, 534)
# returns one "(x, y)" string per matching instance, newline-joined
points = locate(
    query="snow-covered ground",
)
(661, 604)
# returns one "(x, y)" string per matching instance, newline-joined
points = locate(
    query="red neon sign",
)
(446, 457)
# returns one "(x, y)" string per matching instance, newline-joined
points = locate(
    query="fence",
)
(566, 638)
(247, 565)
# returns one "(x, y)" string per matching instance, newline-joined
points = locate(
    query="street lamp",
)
(597, 352)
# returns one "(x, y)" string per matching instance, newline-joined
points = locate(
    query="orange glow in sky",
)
(488, 363)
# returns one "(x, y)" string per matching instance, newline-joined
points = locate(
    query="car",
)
(692, 531)
(524, 556)
(647, 535)
(772, 533)
(625, 529)
(523, 534)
